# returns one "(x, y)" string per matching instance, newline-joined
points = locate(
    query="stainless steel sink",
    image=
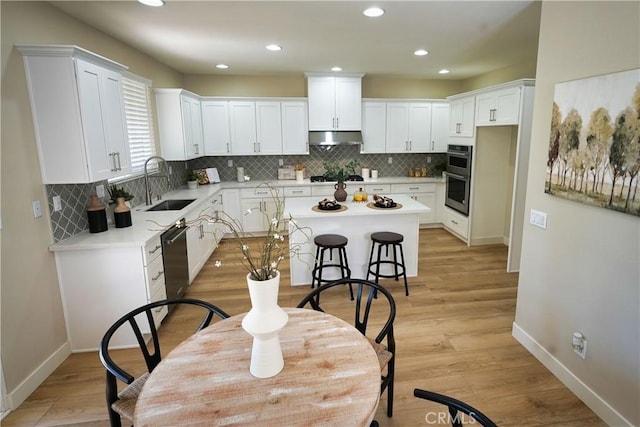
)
(171, 205)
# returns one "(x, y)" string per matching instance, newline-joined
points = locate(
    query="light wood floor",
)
(453, 336)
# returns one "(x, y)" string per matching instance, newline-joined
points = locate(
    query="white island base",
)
(356, 224)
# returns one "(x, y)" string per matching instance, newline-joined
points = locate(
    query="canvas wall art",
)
(594, 143)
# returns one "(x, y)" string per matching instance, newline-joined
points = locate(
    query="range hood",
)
(331, 138)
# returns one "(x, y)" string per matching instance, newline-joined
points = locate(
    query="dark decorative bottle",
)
(96, 214)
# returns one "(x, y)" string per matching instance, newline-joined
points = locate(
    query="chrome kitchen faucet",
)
(147, 190)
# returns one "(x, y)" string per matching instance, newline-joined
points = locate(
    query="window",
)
(137, 107)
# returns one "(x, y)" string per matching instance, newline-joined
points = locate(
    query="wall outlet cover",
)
(57, 203)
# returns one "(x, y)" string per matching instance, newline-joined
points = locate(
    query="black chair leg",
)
(404, 272)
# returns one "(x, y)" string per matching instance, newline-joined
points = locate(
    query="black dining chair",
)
(455, 406)
(121, 405)
(368, 303)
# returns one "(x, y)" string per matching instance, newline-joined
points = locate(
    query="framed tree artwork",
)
(594, 142)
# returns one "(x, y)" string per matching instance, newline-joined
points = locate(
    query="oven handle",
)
(176, 236)
(455, 175)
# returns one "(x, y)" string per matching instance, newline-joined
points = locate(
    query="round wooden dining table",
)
(331, 377)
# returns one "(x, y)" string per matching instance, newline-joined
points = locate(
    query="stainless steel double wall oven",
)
(458, 178)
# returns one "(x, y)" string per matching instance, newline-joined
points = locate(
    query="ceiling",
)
(467, 37)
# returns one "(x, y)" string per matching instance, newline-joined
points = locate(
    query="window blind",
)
(137, 106)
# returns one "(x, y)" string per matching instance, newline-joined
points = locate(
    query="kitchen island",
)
(356, 223)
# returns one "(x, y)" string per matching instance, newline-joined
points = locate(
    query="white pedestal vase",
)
(264, 322)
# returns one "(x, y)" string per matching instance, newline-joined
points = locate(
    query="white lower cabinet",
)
(457, 223)
(203, 236)
(424, 193)
(258, 208)
(99, 286)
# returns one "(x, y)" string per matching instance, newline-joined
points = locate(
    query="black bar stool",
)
(384, 239)
(330, 242)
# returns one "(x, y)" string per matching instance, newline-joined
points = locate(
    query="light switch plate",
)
(37, 209)
(539, 219)
(100, 190)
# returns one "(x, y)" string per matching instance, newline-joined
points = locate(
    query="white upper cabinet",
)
(215, 128)
(461, 117)
(374, 127)
(408, 127)
(78, 110)
(335, 103)
(179, 124)
(242, 116)
(439, 127)
(268, 128)
(499, 107)
(295, 131)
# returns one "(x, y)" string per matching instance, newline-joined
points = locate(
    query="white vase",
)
(264, 322)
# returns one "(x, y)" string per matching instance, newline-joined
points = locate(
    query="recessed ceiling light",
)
(336, 69)
(443, 71)
(222, 66)
(274, 47)
(373, 12)
(154, 3)
(421, 52)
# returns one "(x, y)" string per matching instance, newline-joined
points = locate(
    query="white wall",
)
(582, 273)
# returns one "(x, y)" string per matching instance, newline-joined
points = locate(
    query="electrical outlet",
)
(37, 210)
(230, 163)
(428, 159)
(539, 219)
(100, 190)
(280, 162)
(390, 160)
(57, 203)
(170, 170)
(579, 343)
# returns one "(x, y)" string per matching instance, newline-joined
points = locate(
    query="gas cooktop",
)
(322, 178)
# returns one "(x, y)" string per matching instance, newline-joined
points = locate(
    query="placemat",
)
(372, 205)
(315, 208)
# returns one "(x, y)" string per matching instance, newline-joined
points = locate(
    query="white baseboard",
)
(495, 240)
(568, 378)
(37, 377)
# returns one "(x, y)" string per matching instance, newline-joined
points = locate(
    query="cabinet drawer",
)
(377, 188)
(159, 312)
(323, 190)
(252, 193)
(456, 222)
(413, 188)
(155, 276)
(297, 191)
(152, 250)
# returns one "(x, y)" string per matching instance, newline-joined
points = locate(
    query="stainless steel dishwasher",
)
(174, 257)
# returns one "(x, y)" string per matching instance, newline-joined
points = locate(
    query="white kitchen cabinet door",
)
(408, 127)
(295, 133)
(461, 121)
(374, 127)
(101, 107)
(439, 127)
(82, 136)
(348, 103)
(215, 128)
(243, 127)
(335, 103)
(397, 128)
(179, 124)
(268, 128)
(232, 208)
(420, 127)
(192, 126)
(498, 107)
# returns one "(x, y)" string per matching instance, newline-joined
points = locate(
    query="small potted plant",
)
(121, 212)
(192, 180)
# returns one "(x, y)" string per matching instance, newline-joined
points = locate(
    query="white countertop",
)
(149, 225)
